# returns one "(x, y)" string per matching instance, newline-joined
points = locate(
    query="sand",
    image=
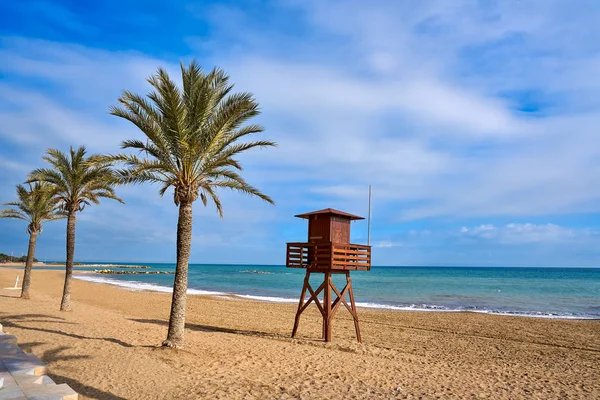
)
(107, 348)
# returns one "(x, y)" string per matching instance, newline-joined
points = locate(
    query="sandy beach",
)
(107, 348)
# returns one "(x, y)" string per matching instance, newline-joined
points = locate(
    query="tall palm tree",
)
(35, 205)
(192, 137)
(77, 181)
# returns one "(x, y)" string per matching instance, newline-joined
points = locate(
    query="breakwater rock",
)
(113, 272)
(89, 265)
(114, 266)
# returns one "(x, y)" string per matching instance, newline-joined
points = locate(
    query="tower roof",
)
(330, 211)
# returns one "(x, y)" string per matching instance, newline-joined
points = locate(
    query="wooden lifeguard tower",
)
(328, 251)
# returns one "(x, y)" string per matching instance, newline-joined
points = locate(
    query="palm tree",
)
(77, 181)
(192, 138)
(36, 206)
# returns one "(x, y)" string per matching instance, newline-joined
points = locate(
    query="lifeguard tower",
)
(328, 251)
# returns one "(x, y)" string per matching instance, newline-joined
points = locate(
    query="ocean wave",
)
(412, 307)
(139, 286)
(438, 308)
(267, 298)
(255, 271)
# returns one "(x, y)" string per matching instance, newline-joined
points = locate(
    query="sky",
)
(475, 122)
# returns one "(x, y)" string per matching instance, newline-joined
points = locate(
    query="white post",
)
(17, 282)
(369, 220)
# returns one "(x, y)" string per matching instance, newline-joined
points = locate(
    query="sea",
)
(571, 293)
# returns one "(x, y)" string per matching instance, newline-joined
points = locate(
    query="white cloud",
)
(14, 166)
(515, 233)
(387, 244)
(320, 91)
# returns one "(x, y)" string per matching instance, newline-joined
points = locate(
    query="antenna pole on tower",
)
(369, 220)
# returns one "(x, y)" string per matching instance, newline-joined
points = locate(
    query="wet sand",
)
(108, 348)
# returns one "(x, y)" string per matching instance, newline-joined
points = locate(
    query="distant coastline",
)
(76, 265)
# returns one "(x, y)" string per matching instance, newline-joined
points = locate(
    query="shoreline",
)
(133, 285)
(138, 285)
(109, 347)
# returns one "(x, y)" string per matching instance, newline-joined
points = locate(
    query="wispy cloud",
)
(528, 233)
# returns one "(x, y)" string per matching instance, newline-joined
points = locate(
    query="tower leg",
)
(301, 303)
(354, 313)
(327, 308)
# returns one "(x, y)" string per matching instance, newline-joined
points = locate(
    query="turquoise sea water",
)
(542, 292)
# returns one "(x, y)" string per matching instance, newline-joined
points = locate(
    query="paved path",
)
(23, 376)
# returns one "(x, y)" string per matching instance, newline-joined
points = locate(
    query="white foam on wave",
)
(401, 308)
(139, 286)
(414, 307)
(532, 314)
(267, 298)
(256, 271)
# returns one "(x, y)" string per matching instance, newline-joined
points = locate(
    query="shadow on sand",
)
(208, 328)
(29, 316)
(88, 391)
(9, 322)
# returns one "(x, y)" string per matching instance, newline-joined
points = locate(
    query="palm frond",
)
(242, 187)
(76, 180)
(210, 190)
(13, 214)
(35, 205)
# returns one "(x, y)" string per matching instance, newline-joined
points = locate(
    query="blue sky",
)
(476, 122)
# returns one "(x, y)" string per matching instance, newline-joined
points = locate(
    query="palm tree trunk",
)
(65, 304)
(184, 242)
(28, 264)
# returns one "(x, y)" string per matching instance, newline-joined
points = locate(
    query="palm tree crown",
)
(192, 135)
(35, 205)
(76, 180)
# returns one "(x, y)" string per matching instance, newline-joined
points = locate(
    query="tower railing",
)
(329, 256)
